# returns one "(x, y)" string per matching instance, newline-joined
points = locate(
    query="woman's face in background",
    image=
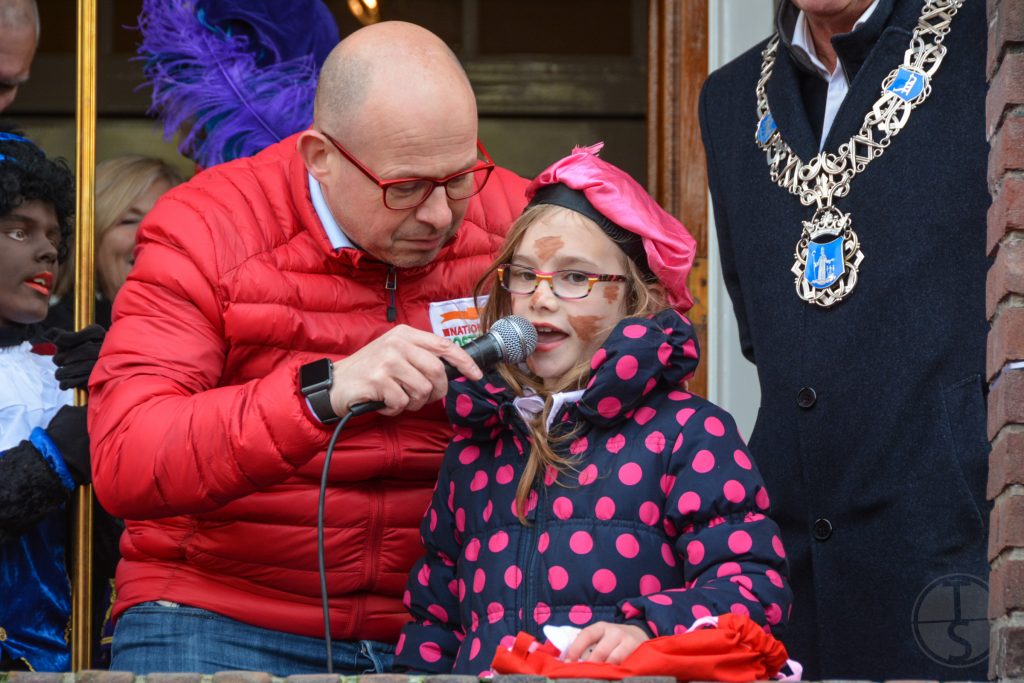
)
(114, 255)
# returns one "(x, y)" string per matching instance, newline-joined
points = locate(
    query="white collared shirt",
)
(338, 238)
(838, 86)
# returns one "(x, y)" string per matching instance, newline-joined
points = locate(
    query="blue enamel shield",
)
(824, 263)
(908, 84)
(765, 127)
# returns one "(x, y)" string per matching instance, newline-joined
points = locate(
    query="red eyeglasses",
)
(407, 193)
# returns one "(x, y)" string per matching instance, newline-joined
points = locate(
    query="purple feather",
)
(207, 83)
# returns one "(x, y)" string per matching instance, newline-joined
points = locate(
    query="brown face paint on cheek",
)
(586, 327)
(546, 247)
(611, 292)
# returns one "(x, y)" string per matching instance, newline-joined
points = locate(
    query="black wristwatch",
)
(315, 380)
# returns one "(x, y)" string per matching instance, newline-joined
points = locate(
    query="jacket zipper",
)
(391, 284)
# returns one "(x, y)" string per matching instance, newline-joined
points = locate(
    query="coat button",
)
(806, 397)
(822, 529)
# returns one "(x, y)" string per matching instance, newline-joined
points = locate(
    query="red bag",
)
(737, 650)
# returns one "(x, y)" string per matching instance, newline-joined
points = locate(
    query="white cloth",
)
(337, 236)
(29, 393)
(531, 404)
(838, 86)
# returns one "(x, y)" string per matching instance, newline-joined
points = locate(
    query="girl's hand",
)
(606, 641)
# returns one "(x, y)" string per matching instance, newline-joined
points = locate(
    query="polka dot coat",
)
(661, 521)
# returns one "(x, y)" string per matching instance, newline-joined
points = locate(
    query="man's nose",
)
(436, 210)
(46, 252)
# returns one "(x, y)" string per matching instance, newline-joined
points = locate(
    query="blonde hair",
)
(119, 183)
(643, 297)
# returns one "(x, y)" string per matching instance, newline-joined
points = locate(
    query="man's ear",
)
(314, 149)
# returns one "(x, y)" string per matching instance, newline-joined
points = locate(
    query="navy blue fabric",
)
(892, 449)
(661, 520)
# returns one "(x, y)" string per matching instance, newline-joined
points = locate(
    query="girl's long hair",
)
(643, 298)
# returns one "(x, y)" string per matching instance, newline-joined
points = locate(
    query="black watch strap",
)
(320, 402)
(315, 381)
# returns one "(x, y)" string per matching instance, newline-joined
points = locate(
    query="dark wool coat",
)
(871, 430)
(661, 522)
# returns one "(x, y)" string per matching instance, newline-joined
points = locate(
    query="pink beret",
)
(615, 195)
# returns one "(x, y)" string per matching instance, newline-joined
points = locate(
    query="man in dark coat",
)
(871, 430)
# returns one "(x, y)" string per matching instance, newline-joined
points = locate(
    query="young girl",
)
(590, 488)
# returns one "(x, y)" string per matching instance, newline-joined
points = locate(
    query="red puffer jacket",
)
(201, 437)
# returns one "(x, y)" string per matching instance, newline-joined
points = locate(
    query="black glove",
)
(68, 431)
(76, 355)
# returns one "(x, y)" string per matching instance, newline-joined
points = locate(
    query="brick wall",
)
(1005, 302)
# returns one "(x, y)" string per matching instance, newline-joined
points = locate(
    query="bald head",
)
(19, 34)
(392, 68)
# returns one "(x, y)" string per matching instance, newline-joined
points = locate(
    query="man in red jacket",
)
(269, 295)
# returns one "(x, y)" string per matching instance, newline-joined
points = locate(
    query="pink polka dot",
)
(689, 349)
(684, 415)
(655, 442)
(550, 475)
(728, 569)
(541, 613)
(651, 383)
(581, 543)
(438, 612)
(580, 614)
(743, 581)
(747, 595)
(626, 367)
(463, 405)
(474, 648)
(714, 426)
(513, 577)
(504, 474)
(630, 474)
(472, 551)
(650, 513)
(578, 446)
(660, 599)
(668, 555)
(495, 613)
(588, 475)
(740, 542)
(598, 358)
(562, 507)
(664, 353)
(742, 459)
(474, 621)
(479, 481)
(461, 592)
(649, 583)
(627, 545)
(740, 609)
(774, 577)
(488, 511)
(634, 331)
(644, 415)
(400, 644)
(460, 519)
(700, 611)
(773, 614)
(498, 542)
(479, 580)
(777, 546)
(423, 575)
(689, 503)
(616, 443)
(761, 498)
(734, 491)
(679, 395)
(678, 444)
(469, 453)
(430, 652)
(542, 542)
(703, 462)
(433, 519)
(506, 642)
(609, 407)
(558, 577)
(604, 581)
(605, 508)
(667, 482)
(694, 552)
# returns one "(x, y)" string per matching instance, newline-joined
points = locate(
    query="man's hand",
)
(76, 355)
(402, 368)
(610, 642)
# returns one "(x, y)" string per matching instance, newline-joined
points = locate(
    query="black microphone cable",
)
(358, 409)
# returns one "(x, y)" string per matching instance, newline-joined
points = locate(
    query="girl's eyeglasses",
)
(565, 284)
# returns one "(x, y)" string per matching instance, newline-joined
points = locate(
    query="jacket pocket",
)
(964, 404)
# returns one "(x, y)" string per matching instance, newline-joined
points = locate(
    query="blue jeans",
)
(153, 638)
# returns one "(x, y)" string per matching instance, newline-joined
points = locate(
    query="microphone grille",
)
(517, 336)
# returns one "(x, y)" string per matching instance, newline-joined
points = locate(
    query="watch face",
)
(315, 376)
